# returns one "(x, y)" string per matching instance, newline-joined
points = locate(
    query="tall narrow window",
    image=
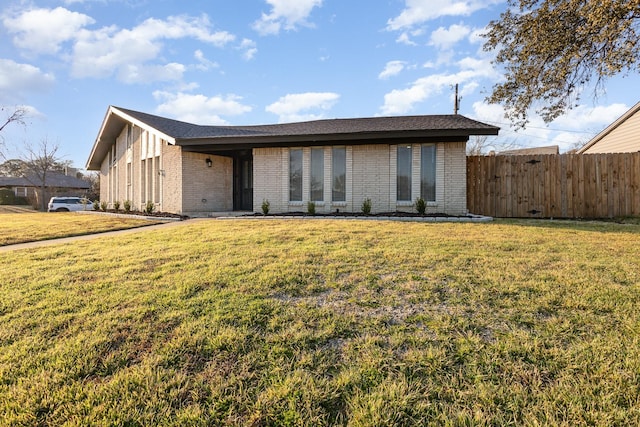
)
(428, 173)
(403, 185)
(157, 175)
(295, 175)
(339, 174)
(317, 174)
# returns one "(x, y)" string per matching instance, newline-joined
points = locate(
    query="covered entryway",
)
(243, 181)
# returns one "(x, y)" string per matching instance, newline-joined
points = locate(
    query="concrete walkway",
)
(49, 242)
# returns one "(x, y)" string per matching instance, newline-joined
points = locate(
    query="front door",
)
(243, 182)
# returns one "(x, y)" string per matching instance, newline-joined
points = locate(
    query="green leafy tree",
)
(553, 49)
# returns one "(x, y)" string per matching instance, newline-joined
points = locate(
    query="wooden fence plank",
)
(559, 186)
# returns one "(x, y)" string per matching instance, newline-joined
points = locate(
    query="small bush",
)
(421, 205)
(116, 206)
(103, 206)
(366, 206)
(96, 205)
(311, 208)
(8, 197)
(149, 207)
(265, 207)
(127, 206)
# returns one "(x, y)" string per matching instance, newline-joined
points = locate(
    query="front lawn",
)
(326, 322)
(34, 226)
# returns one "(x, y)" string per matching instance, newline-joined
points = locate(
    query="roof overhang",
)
(227, 139)
(113, 123)
(212, 145)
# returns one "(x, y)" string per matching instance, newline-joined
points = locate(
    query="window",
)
(428, 172)
(317, 174)
(156, 176)
(295, 175)
(403, 185)
(339, 174)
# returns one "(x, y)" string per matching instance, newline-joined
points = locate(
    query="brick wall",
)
(206, 189)
(371, 173)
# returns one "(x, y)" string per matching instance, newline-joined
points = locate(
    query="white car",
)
(69, 204)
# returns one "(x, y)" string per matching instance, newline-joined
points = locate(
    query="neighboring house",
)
(56, 184)
(337, 164)
(551, 149)
(622, 136)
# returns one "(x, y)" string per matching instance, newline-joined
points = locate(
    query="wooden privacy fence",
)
(554, 186)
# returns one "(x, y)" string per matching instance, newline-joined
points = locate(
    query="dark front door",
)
(243, 182)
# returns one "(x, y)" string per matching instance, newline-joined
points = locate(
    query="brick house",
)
(337, 164)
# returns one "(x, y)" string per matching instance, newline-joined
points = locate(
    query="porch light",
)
(209, 162)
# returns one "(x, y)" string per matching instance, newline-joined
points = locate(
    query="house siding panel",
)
(623, 139)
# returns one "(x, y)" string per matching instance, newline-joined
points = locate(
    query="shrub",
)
(149, 207)
(127, 206)
(103, 206)
(366, 206)
(116, 205)
(96, 205)
(265, 207)
(421, 205)
(8, 197)
(311, 208)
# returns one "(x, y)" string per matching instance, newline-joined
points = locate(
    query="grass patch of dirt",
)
(299, 322)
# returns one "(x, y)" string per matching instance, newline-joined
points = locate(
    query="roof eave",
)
(103, 143)
(259, 140)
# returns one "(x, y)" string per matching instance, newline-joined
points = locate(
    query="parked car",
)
(69, 204)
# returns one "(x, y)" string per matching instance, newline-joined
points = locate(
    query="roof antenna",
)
(456, 102)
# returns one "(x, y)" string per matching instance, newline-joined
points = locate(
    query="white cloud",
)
(573, 129)
(391, 69)
(445, 38)
(44, 30)
(203, 63)
(249, 48)
(199, 109)
(402, 101)
(16, 79)
(587, 118)
(138, 73)
(285, 14)
(98, 53)
(419, 11)
(292, 107)
(133, 55)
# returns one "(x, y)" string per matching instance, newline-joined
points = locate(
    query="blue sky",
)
(246, 62)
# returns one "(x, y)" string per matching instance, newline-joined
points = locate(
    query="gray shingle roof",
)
(450, 122)
(451, 127)
(53, 180)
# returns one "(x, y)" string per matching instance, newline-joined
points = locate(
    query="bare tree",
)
(18, 115)
(14, 115)
(479, 145)
(38, 164)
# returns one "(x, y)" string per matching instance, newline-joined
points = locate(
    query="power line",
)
(542, 128)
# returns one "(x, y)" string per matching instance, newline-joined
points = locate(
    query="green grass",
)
(35, 226)
(359, 323)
